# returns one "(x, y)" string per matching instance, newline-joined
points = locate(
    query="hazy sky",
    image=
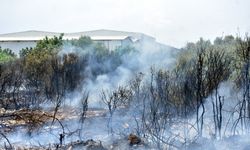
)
(173, 22)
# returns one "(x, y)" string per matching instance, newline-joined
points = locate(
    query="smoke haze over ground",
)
(142, 71)
(79, 94)
(139, 61)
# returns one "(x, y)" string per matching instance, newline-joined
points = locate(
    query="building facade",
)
(109, 38)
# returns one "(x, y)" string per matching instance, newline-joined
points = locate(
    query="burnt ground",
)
(33, 121)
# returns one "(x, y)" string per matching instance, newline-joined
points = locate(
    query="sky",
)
(172, 22)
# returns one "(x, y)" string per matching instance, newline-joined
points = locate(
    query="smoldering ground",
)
(142, 58)
(145, 70)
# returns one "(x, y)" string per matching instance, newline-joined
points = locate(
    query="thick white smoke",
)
(149, 54)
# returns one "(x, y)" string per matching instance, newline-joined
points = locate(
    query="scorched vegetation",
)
(77, 94)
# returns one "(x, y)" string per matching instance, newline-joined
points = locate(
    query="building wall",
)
(17, 46)
(114, 44)
(111, 45)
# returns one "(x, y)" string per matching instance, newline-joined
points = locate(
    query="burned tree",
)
(243, 81)
(84, 108)
(199, 86)
(119, 98)
(218, 70)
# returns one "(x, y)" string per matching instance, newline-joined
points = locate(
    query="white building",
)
(109, 38)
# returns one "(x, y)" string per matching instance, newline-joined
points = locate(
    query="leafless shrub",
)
(116, 99)
(84, 108)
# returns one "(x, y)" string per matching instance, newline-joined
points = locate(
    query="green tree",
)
(6, 55)
(83, 42)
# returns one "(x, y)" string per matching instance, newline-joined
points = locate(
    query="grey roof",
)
(29, 33)
(27, 36)
(95, 35)
(104, 32)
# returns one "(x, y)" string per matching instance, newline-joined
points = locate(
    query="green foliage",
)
(227, 40)
(50, 44)
(37, 59)
(200, 68)
(225, 50)
(189, 55)
(100, 59)
(83, 42)
(241, 60)
(6, 55)
(25, 51)
(47, 71)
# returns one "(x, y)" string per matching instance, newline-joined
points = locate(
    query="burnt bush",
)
(48, 71)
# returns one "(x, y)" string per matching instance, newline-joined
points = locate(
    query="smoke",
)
(147, 55)
(209, 141)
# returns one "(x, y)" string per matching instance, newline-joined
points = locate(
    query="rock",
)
(133, 139)
(2, 110)
(70, 148)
